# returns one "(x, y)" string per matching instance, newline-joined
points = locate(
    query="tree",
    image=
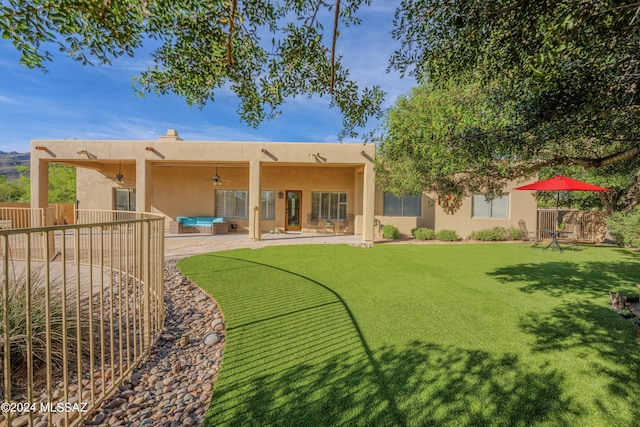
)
(265, 51)
(10, 191)
(62, 183)
(555, 84)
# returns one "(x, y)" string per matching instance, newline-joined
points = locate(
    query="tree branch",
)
(333, 46)
(232, 17)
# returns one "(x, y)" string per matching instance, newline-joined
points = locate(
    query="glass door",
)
(293, 211)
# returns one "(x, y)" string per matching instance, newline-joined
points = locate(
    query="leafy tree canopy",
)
(265, 51)
(62, 185)
(11, 191)
(545, 84)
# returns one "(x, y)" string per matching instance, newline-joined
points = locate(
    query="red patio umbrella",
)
(561, 183)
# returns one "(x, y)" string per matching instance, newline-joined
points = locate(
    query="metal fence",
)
(81, 306)
(586, 226)
(25, 217)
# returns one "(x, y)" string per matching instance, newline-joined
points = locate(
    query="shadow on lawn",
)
(583, 324)
(304, 361)
(564, 278)
(586, 328)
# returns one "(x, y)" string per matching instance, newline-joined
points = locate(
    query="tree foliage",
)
(557, 79)
(62, 185)
(11, 191)
(265, 51)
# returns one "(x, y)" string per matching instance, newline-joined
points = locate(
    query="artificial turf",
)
(498, 334)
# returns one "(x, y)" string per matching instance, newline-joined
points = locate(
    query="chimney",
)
(172, 135)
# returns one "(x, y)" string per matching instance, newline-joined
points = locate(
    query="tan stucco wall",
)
(405, 223)
(522, 206)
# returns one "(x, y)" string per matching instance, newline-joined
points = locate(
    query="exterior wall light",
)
(280, 195)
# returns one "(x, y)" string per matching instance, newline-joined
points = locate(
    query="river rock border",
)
(174, 386)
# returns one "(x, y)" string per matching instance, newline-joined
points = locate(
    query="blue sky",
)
(72, 101)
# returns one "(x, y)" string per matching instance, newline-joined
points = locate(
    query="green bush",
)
(390, 232)
(424, 234)
(486, 235)
(447, 235)
(497, 234)
(514, 233)
(625, 227)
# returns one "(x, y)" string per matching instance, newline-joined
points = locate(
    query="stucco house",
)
(257, 186)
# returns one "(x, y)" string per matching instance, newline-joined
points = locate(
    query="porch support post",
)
(254, 200)
(368, 202)
(39, 183)
(143, 185)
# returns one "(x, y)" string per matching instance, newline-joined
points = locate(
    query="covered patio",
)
(257, 186)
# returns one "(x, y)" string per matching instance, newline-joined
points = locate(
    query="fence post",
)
(146, 277)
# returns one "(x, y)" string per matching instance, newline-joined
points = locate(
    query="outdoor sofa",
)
(199, 224)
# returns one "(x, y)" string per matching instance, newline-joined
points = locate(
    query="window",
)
(402, 206)
(268, 205)
(124, 199)
(326, 205)
(232, 204)
(495, 208)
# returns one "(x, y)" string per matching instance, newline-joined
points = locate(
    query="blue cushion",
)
(185, 220)
(198, 220)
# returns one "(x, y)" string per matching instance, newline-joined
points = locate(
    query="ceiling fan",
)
(216, 178)
(119, 178)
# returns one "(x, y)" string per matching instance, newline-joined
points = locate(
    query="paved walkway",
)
(184, 245)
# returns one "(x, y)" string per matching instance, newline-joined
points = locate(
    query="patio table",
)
(554, 239)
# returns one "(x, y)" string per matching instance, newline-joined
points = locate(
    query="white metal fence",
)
(81, 305)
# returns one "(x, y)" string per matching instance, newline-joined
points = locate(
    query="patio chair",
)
(573, 234)
(312, 224)
(346, 225)
(528, 236)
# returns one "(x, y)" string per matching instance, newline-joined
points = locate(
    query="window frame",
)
(131, 199)
(268, 213)
(234, 206)
(403, 207)
(490, 203)
(329, 205)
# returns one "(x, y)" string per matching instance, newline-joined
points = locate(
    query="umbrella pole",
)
(557, 209)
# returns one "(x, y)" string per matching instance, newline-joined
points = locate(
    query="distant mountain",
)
(9, 161)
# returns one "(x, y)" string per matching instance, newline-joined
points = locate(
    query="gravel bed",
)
(174, 386)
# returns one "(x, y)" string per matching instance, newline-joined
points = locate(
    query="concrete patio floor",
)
(184, 245)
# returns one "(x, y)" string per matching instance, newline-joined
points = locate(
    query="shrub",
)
(447, 235)
(424, 234)
(497, 234)
(18, 327)
(491, 234)
(514, 233)
(625, 227)
(484, 235)
(390, 232)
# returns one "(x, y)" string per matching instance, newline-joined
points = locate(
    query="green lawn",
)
(499, 334)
